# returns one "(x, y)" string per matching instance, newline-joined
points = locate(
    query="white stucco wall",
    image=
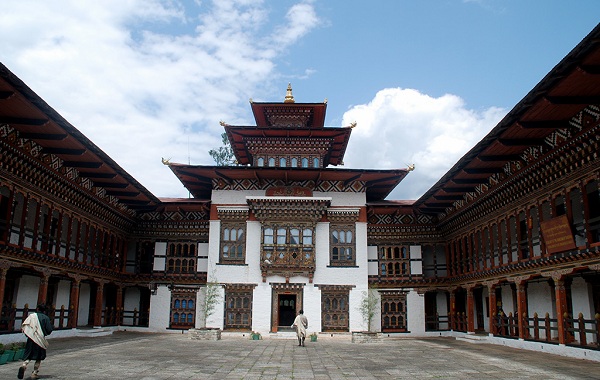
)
(415, 312)
(539, 299)
(160, 309)
(583, 302)
(131, 301)
(83, 312)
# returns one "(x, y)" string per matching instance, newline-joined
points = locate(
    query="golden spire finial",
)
(289, 98)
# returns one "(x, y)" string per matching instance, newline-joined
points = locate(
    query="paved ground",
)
(144, 356)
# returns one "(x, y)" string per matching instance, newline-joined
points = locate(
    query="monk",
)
(36, 326)
(301, 324)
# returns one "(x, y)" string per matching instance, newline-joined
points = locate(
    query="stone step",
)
(472, 338)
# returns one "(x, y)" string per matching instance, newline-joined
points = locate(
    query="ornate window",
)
(181, 257)
(315, 162)
(271, 161)
(342, 243)
(334, 308)
(394, 261)
(304, 162)
(260, 161)
(294, 162)
(238, 307)
(183, 308)
(287, 243)
(282, 162)
(393, 311)
(233, 243)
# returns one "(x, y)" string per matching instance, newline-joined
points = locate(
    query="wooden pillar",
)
(119, 305)
(43, 289)
(453, 309)
(4, 266)
(98, 306)
(521, 285)
(470, 310)
(74, 301)
(492, 307)
(561, 306)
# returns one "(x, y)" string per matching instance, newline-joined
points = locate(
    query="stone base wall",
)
(366, 337)
(205, 334)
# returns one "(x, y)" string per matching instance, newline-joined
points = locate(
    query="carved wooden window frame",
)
(284, 243)
(393, 311)
(182, 257)
(229, 245)
(341, 251)
(394, 261)
(183, 308)
(335, 308)
(238, 307)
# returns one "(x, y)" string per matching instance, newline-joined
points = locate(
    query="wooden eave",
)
(198, 179)
(33, 119)
(239, 135)
(316, 110)
(571, 86)
(393, 207)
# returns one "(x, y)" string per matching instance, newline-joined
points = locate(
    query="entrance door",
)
(287, 311)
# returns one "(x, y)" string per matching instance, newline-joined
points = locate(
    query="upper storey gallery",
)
(288, 135)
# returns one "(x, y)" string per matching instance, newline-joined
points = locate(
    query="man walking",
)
(36, 327)
(301, 324)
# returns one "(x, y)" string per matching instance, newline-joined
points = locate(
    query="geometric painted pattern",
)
(255, 184)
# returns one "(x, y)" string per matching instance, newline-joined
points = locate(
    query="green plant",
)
(255, 335)
(212, 297)
(368, 306)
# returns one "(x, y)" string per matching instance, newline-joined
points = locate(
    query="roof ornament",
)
(289, 98)
(223, 124)
(410, 167)
(166, 161)
(352, 125)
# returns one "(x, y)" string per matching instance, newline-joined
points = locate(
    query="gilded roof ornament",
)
(410, 167)
(352, 125)
(325, 101)
(223, 124)
(289, 98)
(166, 161)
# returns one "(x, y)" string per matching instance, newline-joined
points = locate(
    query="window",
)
(271, 162)
(294, 162)
(233, 243)
(334, 308)
(593, 210)
(394, 261)
(288, 244)
(238, 308)
(183, 309)
(260, 161)
(282, 162)
(342, 245)
(181, 257)
(305, 162)
(393, 311)
(315, 162)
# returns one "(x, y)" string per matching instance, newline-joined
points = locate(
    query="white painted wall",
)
(539, 299)
(160, 256)
(442, 308)
(83, 312)
(415, 312)
(131, 301)
(583, 302)
(160, 309)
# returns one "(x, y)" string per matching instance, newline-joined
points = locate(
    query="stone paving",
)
(147, 356)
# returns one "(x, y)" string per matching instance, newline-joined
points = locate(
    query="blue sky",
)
(424, 80)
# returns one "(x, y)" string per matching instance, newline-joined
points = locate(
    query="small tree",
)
(224, 155)
(368, 306)
(212, 297)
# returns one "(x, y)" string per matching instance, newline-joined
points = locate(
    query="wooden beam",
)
(483, 170)
(567, 100)
(97, 175)
(82, 164)
(448, 197)
(470, 181)
(118, 193)
(6, 94)
(64, 151)
(590, 69)
(520, 142)
(22, 121)
(499, 158)
(458, 189)
(551, 124)
(43, 136)
(111, 185)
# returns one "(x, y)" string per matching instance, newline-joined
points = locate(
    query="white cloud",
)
(146, 79)
(403, 126)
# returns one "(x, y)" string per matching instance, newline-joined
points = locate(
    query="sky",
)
(424, 80)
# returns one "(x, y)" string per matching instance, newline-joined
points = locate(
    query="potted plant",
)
(255, 335)
(212, 297)
(19, 349)
(368, 307)
(7, 355)
(313, 337)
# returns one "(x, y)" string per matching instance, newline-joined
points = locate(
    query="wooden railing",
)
(578, 331)
(437, 322)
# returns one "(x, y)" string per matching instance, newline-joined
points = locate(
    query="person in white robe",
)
(36, 326)
(300, 324)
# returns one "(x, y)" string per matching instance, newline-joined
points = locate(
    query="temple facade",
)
(504, 247)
